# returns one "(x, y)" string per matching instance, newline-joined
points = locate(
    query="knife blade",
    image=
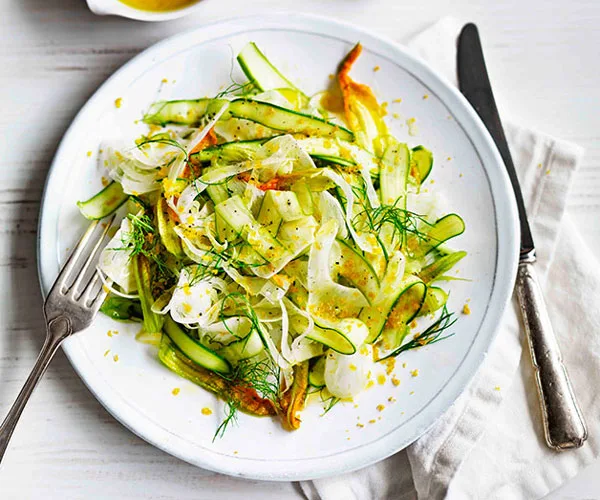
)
(474, 84)
(564, 426)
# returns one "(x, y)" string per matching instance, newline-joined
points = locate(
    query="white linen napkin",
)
(489, 444)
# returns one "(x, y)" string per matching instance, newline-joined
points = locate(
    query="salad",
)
(273, 244)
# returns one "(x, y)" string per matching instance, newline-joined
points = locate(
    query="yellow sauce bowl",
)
(158, 5)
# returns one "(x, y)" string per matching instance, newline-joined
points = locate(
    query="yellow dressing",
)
(158, 5)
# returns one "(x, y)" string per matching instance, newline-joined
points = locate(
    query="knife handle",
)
(564, 426)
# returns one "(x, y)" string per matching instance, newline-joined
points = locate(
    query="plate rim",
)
(506, 265)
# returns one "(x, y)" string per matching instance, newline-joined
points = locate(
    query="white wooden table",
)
(543, 58)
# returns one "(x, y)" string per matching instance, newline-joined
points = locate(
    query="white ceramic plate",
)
(467, 170)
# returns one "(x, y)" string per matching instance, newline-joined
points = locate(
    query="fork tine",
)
(92, 290)
(95, 294)
(80, 277)
(66, 271)
(99, 300)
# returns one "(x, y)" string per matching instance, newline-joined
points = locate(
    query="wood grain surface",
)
(543, 60)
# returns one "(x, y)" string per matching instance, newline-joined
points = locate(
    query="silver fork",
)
(70, 307)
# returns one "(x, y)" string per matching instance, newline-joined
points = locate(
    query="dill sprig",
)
(235, 87)
(430, 335)
(375, 220)
(261, 375)
(231, 412)
(402, 221)
(143, 239)
(329, 403)
(240, 306)
(209, 267)
(213, 261)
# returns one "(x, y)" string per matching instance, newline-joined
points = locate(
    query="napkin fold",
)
(489, 444)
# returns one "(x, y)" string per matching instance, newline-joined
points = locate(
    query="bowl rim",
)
(504, 206)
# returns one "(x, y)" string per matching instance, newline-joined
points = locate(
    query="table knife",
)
(564, 426)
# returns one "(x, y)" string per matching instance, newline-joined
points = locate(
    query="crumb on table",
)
(390, 364)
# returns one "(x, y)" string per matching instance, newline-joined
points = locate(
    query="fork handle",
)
(58, 329)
